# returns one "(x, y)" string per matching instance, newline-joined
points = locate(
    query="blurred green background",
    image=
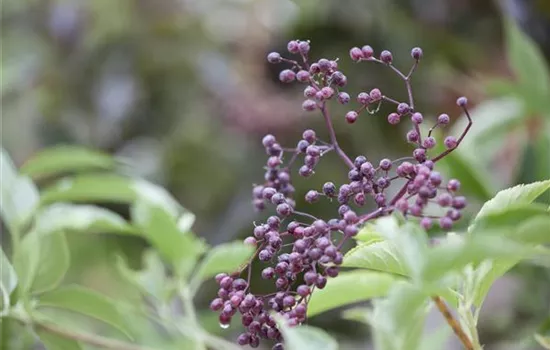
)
(180, 89)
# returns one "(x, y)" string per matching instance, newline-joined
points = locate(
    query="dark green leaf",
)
(80, 218)
(65, 158)
(305, 337)
(86, 302)
(180, 248)
(226, 257)
(53, 262)
(366, 285)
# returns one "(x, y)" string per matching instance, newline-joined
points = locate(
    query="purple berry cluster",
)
(301, 251)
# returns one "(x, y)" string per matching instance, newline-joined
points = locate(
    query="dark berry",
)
(351, 117)
(356, 54)
(416, 53)
(343, 98)
(403, 108)
(367, 51)
(386, 57)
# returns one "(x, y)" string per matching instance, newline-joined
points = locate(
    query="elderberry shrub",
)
(315, 254)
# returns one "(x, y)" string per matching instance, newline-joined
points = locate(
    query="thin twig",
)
(453, 323)
(443, 154)
(333, 140)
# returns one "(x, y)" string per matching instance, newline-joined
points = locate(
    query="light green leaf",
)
(305, 337)
(226, 257)
(543, 341)
(53, 341)
(358, 314)
(180, 248)
(366, 285)
(511, 216)
(151, 279)
(528, 65)
(535, 230)
(65, 158)
(378, 256)
(436, 340)
(8, 282)
(53, 263)
(80, 218)
(520, 194)
(86, 302)
(368, 234)
(26, 261)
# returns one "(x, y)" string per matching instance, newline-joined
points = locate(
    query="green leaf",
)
(535, 230)
(305, 337)
(109, 188)
(53, 263)
(8, 282)
(511, 216)
(514, 196)
(368, 234)
(528, 64)
(53, 341)
(151, 279)
(86, 302)
(366, 285)
(542, 150)
(159, 226)
(80, 218)
(226, 257)
(378, 256)
(543, 341)
(65, 158)
(26, 261)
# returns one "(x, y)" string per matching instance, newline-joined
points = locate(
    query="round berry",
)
(453, 185)
(367, 51)
(426, 223)
(312, 196)
(329, 189)
(310, 91)
(429, 142)
(287, 76)
(435, 178)
(268, 140)
(450, 142)
(216, 304)
(339, 79)
(402, 205)
(403, 108)
(375, 95)
(412, 136)
(363, 98)
(305, 171)
(459, 202)
(293, 46)
(250, 241)
(303, 290)
(462, 101)
(351, 117)
(284, 209)
(443, 119)
(324, 64)
(314, 68)
(394, 118)
(304, 47)
(274, 57)
(309, 105)
(343, 98)
(417, 118)
(385, 164)
(356, 54)
(309, 135)
(302, 76)
(416, 53)
(419, 154)
(445, 223)
(386, 57)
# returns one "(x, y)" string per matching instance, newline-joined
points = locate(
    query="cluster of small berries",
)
(305, 252)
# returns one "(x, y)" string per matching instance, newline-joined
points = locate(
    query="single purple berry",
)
(429, 142)
(314, 68)
(403, 108)
(454, 214)
(216, 304)
(351, 230)
(356, 54)
(321, 282)
(386, 57)
(412, 136)
(339, 79)
(305, 171)
(268, 140)
(445, 223)
(313, 151)
(293, 46)
(462, 101)
(385, 164)
(417, 118)
(435, 178)
(274, 57)
(250, 241)
(443, 119)
(444, 199)
(363, 98)
(394, 118)
(459, 202)
(402, 205)
(284, 209)
(453, 185)
(367, 51)
(219, 277)
(304, 47)
(312, 196)
(302, 76)
(329, 189)
(343, 98)
(416, 53)
(351, 117)
(310, 92)
(277, 198)
(309, 135)
(287, 76)
(324, 64)
(303, 290)
(419, 154)
(375, 95)
(359, 160)
(450, 142)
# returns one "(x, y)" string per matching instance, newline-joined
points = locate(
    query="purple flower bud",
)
(356, 54)
(304, 47)
(363, 98)
(429, 142)
(386, 57)
(274, 57)
(287, 76)
(351, 117)
(450, 142)
(380, 200)
(359, 160)
(293, 46)
(367, 51)
(319, 96)
(416, 53)
(375, 95)
(444, 199)
(343, 98)
(462, 101)
(302, 76)
(417, 118)
(443, 119)
(394, 118)
(360, 199)
(303, 290)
